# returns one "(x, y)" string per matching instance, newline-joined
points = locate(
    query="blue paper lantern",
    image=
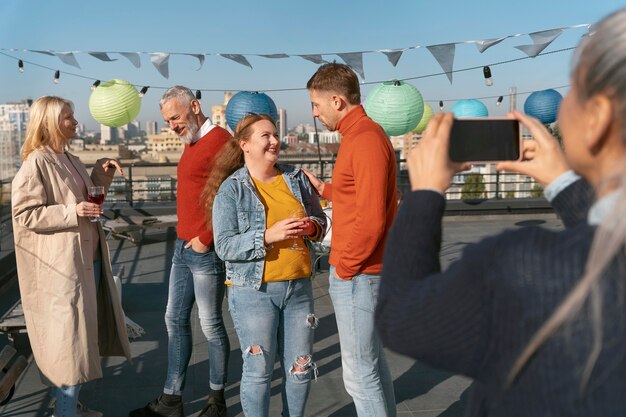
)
(246, 102)
(396, 106)
(469, 108)
(543, 105)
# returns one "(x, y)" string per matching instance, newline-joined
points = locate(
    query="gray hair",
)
(601, 63)
(599, 68)
(178, 92)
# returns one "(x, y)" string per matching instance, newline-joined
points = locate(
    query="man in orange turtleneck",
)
(363, 192)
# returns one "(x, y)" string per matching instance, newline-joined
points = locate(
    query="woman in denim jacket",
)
(268, 259)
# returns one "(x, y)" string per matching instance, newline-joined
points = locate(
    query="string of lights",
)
(144, 89)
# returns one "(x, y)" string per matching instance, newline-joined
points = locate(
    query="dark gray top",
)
(476, 317)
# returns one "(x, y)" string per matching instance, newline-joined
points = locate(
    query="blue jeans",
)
(195, 277)
(366, 374)
(66, 400)
(277, 318)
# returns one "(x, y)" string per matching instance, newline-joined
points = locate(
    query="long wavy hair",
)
(229, 159)
(44, 124)
(599, 68)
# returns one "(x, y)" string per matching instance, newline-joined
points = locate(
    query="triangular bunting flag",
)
(316, 59)
(160, 60)
(545, 35)
(393, 56)
(133, 57)
(355, 61)
(275, 56)
(485, 44)
(102, 56)
(240, 59)
(541, 40)
(67, 58)
(200, 58)
(444, 54)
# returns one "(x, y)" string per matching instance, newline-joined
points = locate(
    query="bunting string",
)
(274, 90)
(443, 53)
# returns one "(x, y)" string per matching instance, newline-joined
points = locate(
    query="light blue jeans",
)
(66, 397)
(66, 400)
(278, 318)
(195, 277)
(366, 374)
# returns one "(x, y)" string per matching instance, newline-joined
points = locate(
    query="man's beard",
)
(190, 131)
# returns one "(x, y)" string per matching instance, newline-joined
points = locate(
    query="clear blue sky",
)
(283, 26)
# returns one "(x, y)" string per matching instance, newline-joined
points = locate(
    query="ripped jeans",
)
(277, 318)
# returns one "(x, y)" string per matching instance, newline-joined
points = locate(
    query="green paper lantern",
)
(114, 103)
(428, 114)
(396, 106)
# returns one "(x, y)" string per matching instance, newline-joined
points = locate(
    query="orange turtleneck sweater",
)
(363, 192)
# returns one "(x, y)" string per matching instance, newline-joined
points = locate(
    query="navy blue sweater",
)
(476, 317)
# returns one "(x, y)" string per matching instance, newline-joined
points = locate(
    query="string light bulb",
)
(95, 85)
(487, 74)
(198, 95)
(499, 101)
(20, 65)
(440, 105)
(57, 76)
(143, 91)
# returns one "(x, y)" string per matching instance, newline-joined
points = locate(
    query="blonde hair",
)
(228, 160)
(44, 124)
(600, 68)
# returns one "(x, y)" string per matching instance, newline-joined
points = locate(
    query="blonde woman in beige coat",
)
(73, 314)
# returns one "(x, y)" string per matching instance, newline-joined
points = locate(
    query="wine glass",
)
(298, 213)
(95, 195)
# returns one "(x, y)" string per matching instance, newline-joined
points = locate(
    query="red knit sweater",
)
(193, 170)
(363, 192)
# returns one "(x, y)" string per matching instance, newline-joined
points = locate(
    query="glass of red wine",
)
(96, 195)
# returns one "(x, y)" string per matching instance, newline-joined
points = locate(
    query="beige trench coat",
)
(70, 323)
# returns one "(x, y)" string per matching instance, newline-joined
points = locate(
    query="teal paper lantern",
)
(543, 105)
(396, 106)
(114, 103)
(246, 102)
(428, 114)
(469, 108)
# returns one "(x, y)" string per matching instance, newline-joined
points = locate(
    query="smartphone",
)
(485, 140)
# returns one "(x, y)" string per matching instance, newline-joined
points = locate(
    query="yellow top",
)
(288, 259)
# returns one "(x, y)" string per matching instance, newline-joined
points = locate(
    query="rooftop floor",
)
(420, 390)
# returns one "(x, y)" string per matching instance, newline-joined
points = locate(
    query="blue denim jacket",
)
(239, 223)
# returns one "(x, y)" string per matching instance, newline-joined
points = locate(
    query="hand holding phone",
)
(485, 140)
(542, 158)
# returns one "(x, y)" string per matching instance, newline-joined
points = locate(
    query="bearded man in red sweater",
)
(197, 273)
(363, 192)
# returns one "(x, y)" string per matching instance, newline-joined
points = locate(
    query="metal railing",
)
(146, 182)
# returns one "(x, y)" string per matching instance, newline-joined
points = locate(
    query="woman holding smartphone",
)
(536, 317)
(72, 310)
(263, 217)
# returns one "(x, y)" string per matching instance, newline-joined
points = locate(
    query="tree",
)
(537, 191)
(509, 194)
(474, 187)
(556, 132)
